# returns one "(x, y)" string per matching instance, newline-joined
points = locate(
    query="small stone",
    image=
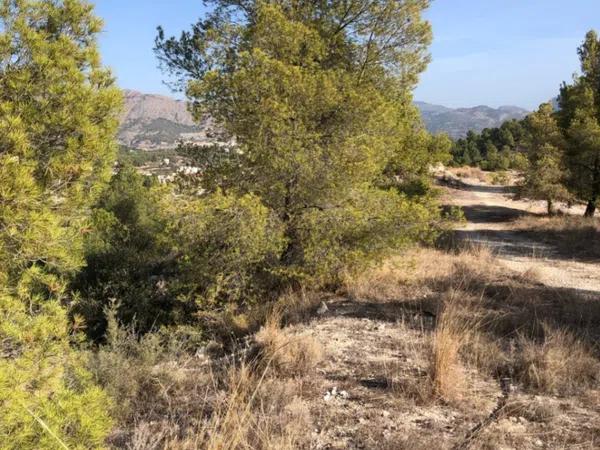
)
(323, 309)
(538, 443)
(344, 394)
(327, 397)
(385, 414)
(334, 391)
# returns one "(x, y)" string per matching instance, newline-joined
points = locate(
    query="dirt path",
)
(490, 212)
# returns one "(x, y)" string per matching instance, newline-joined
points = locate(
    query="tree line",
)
(499, 148)
(556, 148)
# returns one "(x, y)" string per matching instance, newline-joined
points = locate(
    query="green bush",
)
(227, 247)
(128, 256)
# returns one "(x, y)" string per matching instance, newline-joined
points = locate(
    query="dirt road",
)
(490, 212)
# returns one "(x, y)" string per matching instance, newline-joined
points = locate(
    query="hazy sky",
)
(493, 52)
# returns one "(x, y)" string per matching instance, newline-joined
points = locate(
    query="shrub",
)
(227, 247)
(128, 256)
(47, 399)
(500, 178)
(58, 118)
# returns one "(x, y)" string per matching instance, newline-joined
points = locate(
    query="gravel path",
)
(490, 212)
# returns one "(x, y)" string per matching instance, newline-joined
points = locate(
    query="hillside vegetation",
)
(317, 279)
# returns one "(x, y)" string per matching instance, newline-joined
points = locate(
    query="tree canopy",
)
(315, 100)
(579, 118)
(58, 117)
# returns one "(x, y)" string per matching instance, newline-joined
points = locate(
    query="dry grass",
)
(417, 271)
(285, 353)
(481, 324)
(456, 326)
(169, 399)
(532, 409)
(294, 306)
(253, 413)
(560, 364)
(470, 172)
(576, 236)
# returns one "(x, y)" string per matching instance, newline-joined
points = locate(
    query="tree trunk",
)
(550, 207)
(590, 211)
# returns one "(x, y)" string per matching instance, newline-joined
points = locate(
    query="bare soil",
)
(370, 392)
(491, 213)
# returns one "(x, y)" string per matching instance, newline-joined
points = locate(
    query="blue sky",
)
(493, 52)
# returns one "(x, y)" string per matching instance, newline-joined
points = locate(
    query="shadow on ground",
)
(493, 214)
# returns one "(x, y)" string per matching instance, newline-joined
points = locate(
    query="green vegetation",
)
(138, 158)
(558, 151)
(494, 149)
(319, 101)
(59, 115)
(545, 175)
(327, 172)
(579, 119)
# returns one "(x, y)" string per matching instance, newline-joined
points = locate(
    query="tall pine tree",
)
(545, 175)
(317, 100)
(579, 117)
(58, 117)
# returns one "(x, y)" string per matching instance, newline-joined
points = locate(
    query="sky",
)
(484, 52)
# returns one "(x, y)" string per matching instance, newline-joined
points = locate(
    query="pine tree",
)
(317, 98)
(58, 117)
(545, 175)
(579, 118)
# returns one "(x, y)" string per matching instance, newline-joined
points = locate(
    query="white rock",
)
(322, 309)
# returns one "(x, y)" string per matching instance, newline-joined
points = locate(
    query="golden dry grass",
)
(560, 364)
(470, 172)
(487, 324)
(417, 270)
(457, 326)
(285, 353)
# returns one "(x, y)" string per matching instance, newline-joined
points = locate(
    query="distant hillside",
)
(154, 122)
(457, 122)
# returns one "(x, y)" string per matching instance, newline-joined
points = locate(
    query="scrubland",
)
(430, 347)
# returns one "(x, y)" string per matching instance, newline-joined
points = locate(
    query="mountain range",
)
(457, 122)
(156, 122)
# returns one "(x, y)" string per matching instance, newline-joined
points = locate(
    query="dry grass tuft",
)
(454, 330)
(253, 412)
(473, 267)
(486, 354)
(532, 409)
(560, 364)
(415, 272)
(171, 399)
(471, 172)
(286, 354)
(294, 306)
